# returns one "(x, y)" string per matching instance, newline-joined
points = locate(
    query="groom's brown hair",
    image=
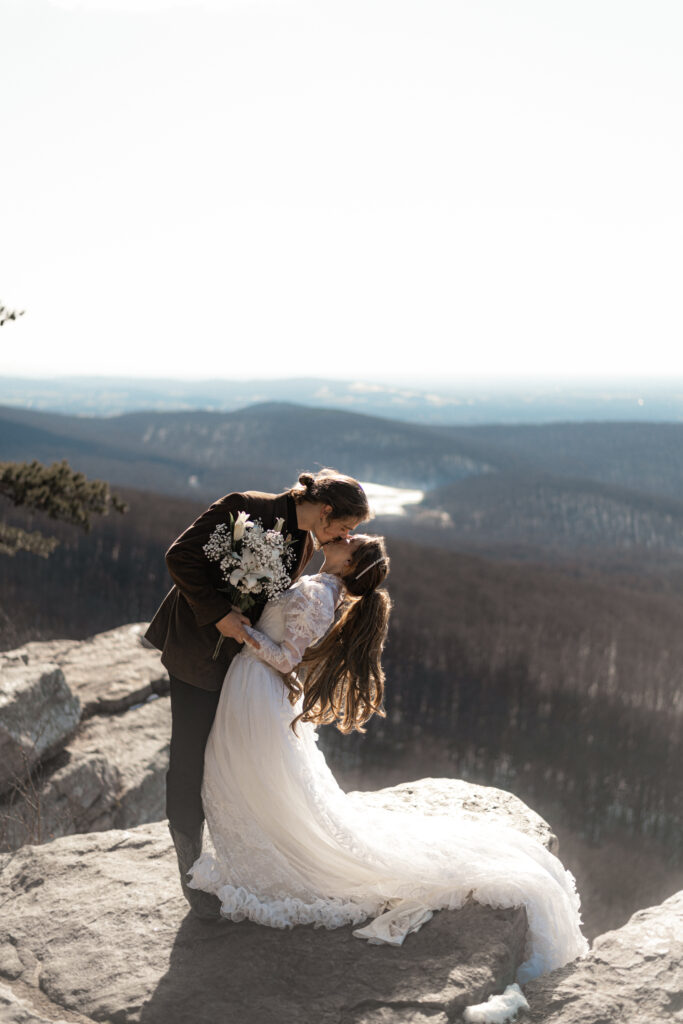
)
(342, 493)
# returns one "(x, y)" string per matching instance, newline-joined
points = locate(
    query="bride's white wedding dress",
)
(292, 848)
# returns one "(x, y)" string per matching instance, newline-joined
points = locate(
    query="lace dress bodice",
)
(294, 620)
(292, 848)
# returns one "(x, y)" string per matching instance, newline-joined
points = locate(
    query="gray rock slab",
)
(479, 803)
(101, 930)
(633, 975)
(13, 1009)
(108, 672)
(27, 1005)
(112, 776)
(38, 714)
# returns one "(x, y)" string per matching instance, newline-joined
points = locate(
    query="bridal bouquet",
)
(253, 562)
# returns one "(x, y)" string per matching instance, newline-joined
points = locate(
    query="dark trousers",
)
(192, 714)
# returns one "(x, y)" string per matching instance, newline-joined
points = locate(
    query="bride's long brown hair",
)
(343, 678)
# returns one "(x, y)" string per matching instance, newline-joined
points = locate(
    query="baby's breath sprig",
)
(254, 562)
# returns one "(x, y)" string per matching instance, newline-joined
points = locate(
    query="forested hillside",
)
(585, 631)
(182, 453)
(533, 512)
(583, 490)
(639, 456)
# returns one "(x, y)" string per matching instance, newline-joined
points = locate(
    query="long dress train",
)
(292, 848)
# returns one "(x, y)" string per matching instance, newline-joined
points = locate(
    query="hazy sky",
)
(355, 188)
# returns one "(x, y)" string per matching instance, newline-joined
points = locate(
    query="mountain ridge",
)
(543, 490)
(420, 400)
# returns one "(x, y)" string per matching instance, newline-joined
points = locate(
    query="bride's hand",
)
(232, 625)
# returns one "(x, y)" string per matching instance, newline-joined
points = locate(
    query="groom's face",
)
(328, 529)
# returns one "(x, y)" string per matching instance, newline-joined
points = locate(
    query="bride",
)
(290, 846)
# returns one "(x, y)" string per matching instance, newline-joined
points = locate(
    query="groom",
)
(324, 506)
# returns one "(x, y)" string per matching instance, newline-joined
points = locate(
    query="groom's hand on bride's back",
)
(232, 625)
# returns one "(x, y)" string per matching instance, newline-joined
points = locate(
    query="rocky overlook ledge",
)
(94, 928)
(85, 741)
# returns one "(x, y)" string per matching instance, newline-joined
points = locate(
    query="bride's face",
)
(339, 554)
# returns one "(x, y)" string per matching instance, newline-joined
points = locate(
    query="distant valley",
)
(592, 490)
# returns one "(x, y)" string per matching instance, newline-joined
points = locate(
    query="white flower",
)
(240, 526)
(249, 559)
(261, 567)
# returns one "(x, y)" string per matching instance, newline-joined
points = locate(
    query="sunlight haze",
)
(360, 189)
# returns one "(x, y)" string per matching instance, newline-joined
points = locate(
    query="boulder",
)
(111, 776)
(95, 927)
(108, 672)
(479, 803)
(633, 974)
(38, 714)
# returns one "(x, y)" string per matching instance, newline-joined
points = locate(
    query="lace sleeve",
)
(309, 613)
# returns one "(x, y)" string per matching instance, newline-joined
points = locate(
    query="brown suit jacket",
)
(183, 628)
